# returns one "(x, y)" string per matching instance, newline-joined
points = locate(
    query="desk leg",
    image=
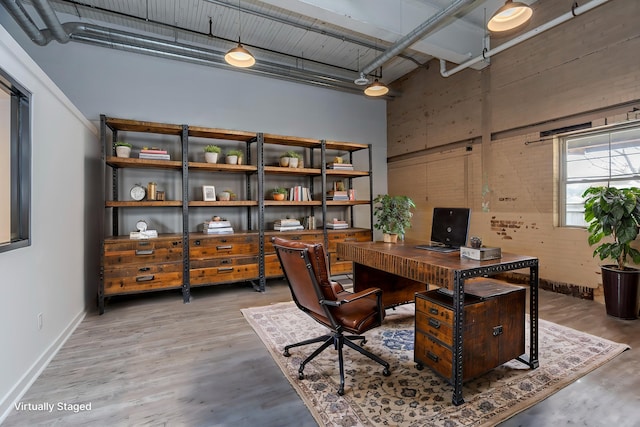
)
(458, 323)
(532, 359)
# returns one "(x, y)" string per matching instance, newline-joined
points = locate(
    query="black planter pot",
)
(621, 291)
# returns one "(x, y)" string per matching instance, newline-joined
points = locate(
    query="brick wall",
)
(473, 139)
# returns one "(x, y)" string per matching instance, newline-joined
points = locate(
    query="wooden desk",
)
(401, 270)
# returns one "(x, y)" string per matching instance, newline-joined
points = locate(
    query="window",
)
(15, 164)
(606, 156)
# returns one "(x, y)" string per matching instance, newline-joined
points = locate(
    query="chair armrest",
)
(362, 294)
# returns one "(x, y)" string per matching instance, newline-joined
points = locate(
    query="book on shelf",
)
(154, 156)
(288, 227)
(337, 195)
(220, 230)
(309, 222)
(153, 151)
(340, 166)
(286, 221)
(299, 194)
(216, 224)
(337, 224)
(147, 234)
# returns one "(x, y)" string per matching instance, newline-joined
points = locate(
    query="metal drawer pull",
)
(295, 238)
(350, 239)
(433, 310)
(145, 278)
(225, 270)
(224, 247)
(432, 356)
(497, 330)
(144, 269)
(144, 252)
(434, 323)
(196, 242)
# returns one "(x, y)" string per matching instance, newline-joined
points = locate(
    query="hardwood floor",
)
(152, 360)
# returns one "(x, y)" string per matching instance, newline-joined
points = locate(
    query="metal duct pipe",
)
(16, 10)
(51, 20)
(415, 35)
(130, 42)
(575, 11)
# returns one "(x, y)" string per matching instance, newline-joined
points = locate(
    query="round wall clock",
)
(141, 226)
(138, 192)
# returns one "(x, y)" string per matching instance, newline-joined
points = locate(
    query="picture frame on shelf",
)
(209, 193)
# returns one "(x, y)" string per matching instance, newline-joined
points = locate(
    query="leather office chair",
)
(328, 303)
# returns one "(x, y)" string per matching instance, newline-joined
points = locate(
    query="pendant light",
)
(377, 88)
(239, 56)
(510, 16)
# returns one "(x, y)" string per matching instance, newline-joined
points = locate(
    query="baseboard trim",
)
(22, 386)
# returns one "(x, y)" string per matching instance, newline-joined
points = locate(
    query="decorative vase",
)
(123, 151)
(231, 160)
(284, 161)
(278, 196)
(390, 238)
(211, 157)
(293, 162)
(224, 196)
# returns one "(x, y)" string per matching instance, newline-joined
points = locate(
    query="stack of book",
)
(337, 195)
(299, 194)
(309, 222)
(217, 227)
(337, 224)
(340, 166)
(287, 225)
(154, 153)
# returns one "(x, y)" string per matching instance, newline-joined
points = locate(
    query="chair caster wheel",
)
(364, 341)
(386, 372)
(300, 375)
(341, 392)
(286, 353)
(419, 366)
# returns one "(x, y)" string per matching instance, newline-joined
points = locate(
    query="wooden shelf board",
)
(292, 203)
(130, 162)
(340, 172)
(347, 202)
(291, 171)
(147, 127)
(142, 203)
(345, 146)
(222, 167)
(224, 203)
(291, 141)
(215, 133)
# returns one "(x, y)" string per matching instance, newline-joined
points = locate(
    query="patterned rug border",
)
(447, 410)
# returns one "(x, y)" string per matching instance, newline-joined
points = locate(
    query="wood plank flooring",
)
(152, 360)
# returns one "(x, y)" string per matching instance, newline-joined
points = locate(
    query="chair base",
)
(339, 341)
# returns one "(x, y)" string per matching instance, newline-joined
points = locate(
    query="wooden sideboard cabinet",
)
(132, 266)
(493, 328)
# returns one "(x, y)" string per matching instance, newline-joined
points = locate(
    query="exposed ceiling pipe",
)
(51, 20)
(16, 10)
(575, 11)
(415, 35)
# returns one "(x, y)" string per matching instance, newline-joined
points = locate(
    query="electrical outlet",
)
(39, 321)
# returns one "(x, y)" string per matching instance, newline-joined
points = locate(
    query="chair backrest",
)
(306, 268)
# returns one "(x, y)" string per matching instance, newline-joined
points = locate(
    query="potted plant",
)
(279, 193)
(123, 149)
(614, 214)
(234, 157)
(290, 159)
(211, 153)
(393, 215)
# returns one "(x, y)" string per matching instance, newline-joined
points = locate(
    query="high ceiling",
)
(322, 42)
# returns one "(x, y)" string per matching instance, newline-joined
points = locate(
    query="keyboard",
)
(441, 249)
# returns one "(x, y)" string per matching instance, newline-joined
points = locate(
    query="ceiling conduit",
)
(16, 10)
(418, 33)
(575, 11)
(51, 20)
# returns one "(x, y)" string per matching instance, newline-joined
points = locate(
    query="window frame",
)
(610, 180)
(20, 152)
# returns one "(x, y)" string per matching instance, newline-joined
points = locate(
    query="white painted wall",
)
(5, 167)
(67, 205)
(47, 277)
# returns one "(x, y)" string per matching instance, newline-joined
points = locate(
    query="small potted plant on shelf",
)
(614, 214)
(279, 193)
(211, 153)
(234, 157)
(393, 214)
(290, 159)
(123, 149)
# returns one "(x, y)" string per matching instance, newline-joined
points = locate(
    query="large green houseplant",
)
(393, 215)
(613, 220)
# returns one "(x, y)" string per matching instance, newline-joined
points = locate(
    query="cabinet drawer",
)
(142, 254)
(129, 245)
(142, 278)
(435, 355)
(435, 311)
(272, 267)
(212, 246)
(223, 273)
(338, 266)
(434, 327)
(335, 237)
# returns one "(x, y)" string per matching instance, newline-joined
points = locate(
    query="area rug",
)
(409, 397)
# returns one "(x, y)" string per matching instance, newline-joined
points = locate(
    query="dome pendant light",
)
(239, 56)
(376, 89)
(510, 16)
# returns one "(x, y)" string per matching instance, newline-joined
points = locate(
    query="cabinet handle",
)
(144, 269)
(350, 239)
(225, 270)
(295, 238)
(225, 261)
(145, 278)
(433, 310)
(196, 242)
(220, 248)
(497, 330)
(432, 356)
(144, 252)
(434, 323)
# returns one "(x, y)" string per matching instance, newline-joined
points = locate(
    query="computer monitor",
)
(450, 226)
